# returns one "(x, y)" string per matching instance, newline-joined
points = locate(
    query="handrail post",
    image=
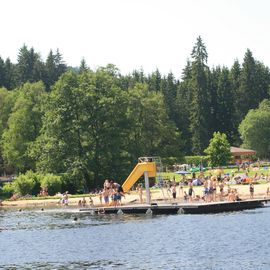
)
(147, 188)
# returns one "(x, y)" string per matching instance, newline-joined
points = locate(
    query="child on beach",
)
(190, 193)
(106, 194)
(174, 192)
(221, 190)
(181, 188)
(91, 202)
(100, 196)
(83, 202)
(251, 191)
(185, 196)
(140, 191)
(65, 198)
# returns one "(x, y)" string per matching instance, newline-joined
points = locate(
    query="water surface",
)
(51, 239)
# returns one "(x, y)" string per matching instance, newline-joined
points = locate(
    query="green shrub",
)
(28, 183)
(8, 189)
(31, 183)
(24, 185)
(72, 183)
(52, 182)
(196, 160)
(169, 161)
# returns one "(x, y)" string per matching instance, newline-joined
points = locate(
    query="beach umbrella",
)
(197, 169)
(182, 172)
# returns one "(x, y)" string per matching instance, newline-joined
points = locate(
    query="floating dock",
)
(176, 208)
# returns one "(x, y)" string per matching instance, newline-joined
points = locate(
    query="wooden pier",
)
(182, 208)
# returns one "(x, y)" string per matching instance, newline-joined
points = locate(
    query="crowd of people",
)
(111, 194)
(83, 202)
(64, 198)
(214, 189)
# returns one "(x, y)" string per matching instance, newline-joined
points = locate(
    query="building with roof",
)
(241, 155)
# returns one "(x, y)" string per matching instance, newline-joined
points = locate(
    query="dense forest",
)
(88, 125)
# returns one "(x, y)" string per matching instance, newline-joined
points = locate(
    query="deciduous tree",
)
(255, 129)
(23, 126)
(218, 150)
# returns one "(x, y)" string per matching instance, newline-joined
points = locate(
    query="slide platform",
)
(137, 172)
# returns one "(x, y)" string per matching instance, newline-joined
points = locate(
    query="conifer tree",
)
(54, 68)
(50, 70)
(253, 88)
(83, 66)
(154, 81)
(29, 67)
(182, 107)
(235, 75)
(246, 95)
(2, 72)
(213, 88)
(200, 105)
(61, 67)
(224, 110)
(169, 90)
(11, 76)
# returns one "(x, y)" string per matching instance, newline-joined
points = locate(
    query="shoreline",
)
(133, 198)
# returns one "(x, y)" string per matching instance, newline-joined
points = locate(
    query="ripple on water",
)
(51, 239)
(99, 264)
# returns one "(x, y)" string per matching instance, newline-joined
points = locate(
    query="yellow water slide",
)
(137, 172)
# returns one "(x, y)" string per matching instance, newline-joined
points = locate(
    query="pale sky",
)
(137, 33)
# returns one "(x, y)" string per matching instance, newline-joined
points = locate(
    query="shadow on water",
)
(210, 263)
(99, 264)
(51, 219)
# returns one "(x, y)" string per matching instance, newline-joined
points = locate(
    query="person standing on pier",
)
(140, 191)
(181, 188)
(221, 189)
(83, 202)
(174, 191)
(106, 194)
(190, 193)
(251, 191)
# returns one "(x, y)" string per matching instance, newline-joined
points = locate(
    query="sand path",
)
(133, 197)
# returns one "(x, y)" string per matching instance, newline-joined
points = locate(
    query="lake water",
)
(50, 239)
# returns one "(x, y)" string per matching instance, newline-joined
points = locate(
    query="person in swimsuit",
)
(214, 189)
(181, 191)
(185, 196)
(210, 189)
(251, 191)
(205, 191)
(174, 192)
(221, 190)
(83, 202)
(140, 192)
(106, 194)
(190, 193)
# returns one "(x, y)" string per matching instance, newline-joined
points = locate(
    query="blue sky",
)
(137, 33)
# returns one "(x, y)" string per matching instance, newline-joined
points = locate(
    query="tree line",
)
(31, 68)
(88, 125)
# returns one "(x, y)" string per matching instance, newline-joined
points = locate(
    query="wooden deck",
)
(183, 208)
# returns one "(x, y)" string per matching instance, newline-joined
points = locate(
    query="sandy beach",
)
(157, 195)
